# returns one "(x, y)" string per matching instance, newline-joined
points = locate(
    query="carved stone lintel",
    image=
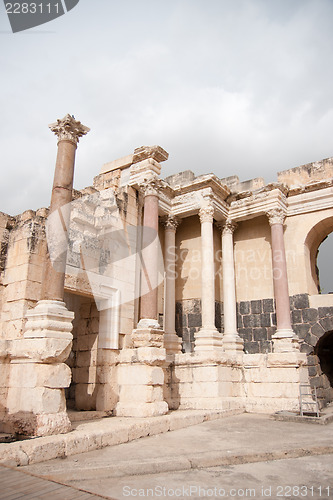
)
(151, 187)
(171, 222)
(206, 213)
(155, 152)
(69, 129)
(276, 216)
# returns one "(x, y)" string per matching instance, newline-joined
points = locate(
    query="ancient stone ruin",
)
(139, 295)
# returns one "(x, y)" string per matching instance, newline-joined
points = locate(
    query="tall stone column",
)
(208, 338)
(231, 339)
(172, 342)
(38, 360)
(284, 339)
(140, 371)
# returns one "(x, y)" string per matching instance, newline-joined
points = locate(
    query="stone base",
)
(172, 343)
(285, 341)
(141, 381)
(208, 339)
(50, 318)
(30, 424)
(232, 343)
(147, 337)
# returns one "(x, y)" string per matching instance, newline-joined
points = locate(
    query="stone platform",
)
(99, 433)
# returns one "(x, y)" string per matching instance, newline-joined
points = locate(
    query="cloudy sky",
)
(226, 86)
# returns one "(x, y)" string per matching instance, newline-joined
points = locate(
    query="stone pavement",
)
(246, 450)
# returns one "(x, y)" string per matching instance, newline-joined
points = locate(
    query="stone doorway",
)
(82, 393)
(324, 351)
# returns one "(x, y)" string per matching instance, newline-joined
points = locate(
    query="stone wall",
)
(188, 320)
(256, 323)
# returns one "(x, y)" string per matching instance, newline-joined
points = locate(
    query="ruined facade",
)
(184, 292)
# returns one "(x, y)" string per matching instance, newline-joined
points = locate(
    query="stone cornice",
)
(69, 129)
(257, 204)
(312, 201)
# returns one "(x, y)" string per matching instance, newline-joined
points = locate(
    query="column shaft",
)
(150, 222)
(208, 338)
(172, 342)
(284, 339)
(231, 339)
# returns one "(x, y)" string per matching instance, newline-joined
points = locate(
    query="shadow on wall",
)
(324, 351)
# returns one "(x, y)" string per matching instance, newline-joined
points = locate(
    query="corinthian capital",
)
(206, 213)
(276, 216)
(69, 129)
(171, 222)
(228, 227)
(151, 187)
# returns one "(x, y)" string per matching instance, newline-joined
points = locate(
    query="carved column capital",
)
(276, 216)
(151, 187)
(171, 222)
(206, 213)
(227, 227)
(69, 129)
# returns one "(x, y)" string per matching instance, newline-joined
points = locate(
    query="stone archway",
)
(324, 351)
(314, 239)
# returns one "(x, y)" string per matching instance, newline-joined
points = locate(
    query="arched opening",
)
(324, 351)
(318, 263)
(324, 265)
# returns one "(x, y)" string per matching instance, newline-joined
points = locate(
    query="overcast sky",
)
(226, 86)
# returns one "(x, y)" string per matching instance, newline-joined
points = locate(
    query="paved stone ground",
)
(15, 484)
(244, 456)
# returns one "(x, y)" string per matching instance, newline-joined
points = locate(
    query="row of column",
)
(209, 338)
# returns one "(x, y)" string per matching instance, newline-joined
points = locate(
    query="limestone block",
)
(76, 442)
(107, 357)
(31, 375)
(205, 389)
(85, 375)
(273, 390)
(118, 435)
(141, 393)
(46, 448)
(147, 337)
(35, 400)
(18, 309)
(180, 420)
(151, 355)
(201, 404)
(23, 290)
(255, 359)
(13, 456)
(286, 358)
(140, 375)
(106, 374)
(183, 374)
(85, 396)
(230, 373)
(4, 349)
(42, 350)
(141, 410)
(206, 373)
(107, 397)
(87, 342)
(86, 358)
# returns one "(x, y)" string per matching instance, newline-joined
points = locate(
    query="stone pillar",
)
(68, 131)
(38, 373)
(208, 338)
(150, 243)
(284, 339)
(231, 339)
(140, 370)
(172, 342)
